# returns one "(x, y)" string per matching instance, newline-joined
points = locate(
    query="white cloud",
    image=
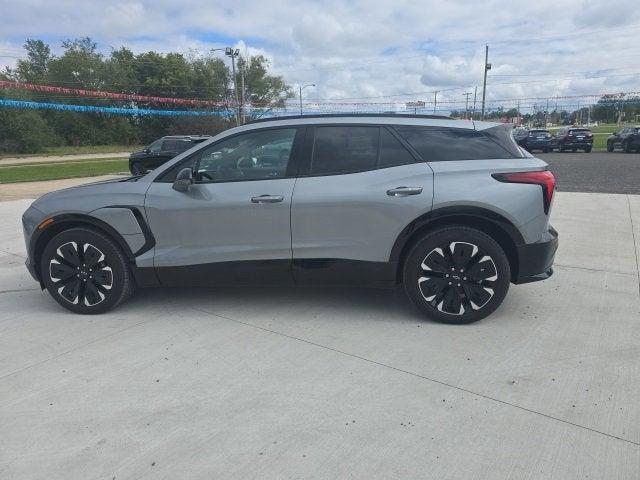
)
(366, 49)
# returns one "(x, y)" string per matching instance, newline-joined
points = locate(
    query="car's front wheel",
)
(609, 146)
(85, 271)
(137, 169)
(456, 275)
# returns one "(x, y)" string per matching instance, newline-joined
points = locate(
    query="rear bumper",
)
(535, 260)
(577, 144)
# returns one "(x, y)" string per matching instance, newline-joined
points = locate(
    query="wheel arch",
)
(487, 221)
(67, 221)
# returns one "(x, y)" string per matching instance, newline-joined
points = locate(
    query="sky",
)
(379, 52)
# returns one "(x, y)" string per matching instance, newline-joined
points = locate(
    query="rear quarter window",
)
(436, 144)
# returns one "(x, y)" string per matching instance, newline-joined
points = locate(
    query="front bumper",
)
(30, 221)
(535, 260)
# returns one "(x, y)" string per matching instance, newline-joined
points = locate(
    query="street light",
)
(302, 87)
(230, 52)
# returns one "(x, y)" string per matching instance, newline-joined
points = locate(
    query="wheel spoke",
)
(482, 270)
(69, 253)
(70, 291)
(461, 254)
(477, 294)
(432, 286)
(103, 277)
(451, 301)
(91, 256)
(436, 262)
(62, 271)
(91, 293)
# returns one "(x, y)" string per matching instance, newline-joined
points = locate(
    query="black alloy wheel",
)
(457, 275)
(85, 272)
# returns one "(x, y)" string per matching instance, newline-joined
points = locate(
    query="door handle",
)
(404, 191)
(267, 199)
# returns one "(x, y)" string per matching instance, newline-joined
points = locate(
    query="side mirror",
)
(146, 150)
(183, 180)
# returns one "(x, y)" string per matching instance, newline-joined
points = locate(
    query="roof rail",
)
(344, 115)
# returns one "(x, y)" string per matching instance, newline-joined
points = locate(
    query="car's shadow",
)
(312, 301)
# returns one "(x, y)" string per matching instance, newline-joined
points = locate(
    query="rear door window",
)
(392, 152)
(449, 144)
(344, 149)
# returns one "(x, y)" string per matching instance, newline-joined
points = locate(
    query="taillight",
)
(544, 178)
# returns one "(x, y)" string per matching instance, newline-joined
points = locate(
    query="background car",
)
(535, 139)
(627, 139)
(161, 151)
(573, 138)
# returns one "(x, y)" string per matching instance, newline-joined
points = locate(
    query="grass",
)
(68, 150)
(58, 170)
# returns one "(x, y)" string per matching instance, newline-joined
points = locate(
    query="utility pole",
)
(518, 112)
(487, 67)
(475, 94)
(435, 101)
(302, 87)
(244, 67)
(230, 52)
(466, 104)
(546, 114)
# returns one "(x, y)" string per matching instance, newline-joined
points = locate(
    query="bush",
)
(25, 131)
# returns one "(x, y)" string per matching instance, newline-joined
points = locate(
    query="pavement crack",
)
(635, 244)
(18, 290)
(422, 377)
(590, 269)
(73, 349)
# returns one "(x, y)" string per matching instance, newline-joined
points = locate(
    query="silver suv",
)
(453, 210)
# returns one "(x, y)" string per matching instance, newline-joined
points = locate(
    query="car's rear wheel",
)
(545, 150)
(456, 275)
(626, 147)
(560, 148)
(588, 150)
(85, 271)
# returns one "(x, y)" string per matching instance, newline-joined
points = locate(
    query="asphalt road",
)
(615, 172)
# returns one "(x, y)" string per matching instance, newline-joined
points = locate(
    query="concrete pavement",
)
(348, 383)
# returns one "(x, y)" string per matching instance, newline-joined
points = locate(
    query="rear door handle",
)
(404, 191)
(267, 199)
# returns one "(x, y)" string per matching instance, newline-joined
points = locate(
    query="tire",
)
(137, 169)
(545, 150)
(588, 150)
(609, 147)
(447, 253)
(574, 150)
(560, 148)
(85, 271)
(626, 147)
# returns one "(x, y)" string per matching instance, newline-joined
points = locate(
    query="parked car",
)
(627, 139)
(453, 210)
(161, 151)
(536, 139)
(573, 138)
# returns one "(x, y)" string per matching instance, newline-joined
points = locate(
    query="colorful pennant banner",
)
(112, 110)
(5, 84)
